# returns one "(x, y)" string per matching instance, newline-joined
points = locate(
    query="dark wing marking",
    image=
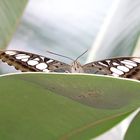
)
(127, 67)
(26, 62)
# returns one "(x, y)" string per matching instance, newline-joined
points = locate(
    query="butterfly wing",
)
(127, 67)
(26, 62)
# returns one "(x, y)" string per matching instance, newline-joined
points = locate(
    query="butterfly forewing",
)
(127, 67)
(25, 61)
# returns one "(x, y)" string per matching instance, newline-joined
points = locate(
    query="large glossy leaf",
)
(118, 132)
(96, 128)
(10, 14)
(60, 106)
(133, 130)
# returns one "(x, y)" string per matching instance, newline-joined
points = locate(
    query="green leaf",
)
(133, 130)
(55, 106)
(96, 128)
(10, 13)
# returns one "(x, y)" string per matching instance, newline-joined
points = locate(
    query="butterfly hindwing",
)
(25, 62)
(127, 67)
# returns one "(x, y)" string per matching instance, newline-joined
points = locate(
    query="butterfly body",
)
(127, 67)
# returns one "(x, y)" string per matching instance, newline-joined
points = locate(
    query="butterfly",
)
(127, 67)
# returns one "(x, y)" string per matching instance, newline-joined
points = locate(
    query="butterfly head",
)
(76, 67)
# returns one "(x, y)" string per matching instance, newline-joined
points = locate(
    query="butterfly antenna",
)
(81, 55)
(60, 55)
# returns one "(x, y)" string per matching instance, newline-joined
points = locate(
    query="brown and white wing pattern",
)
(26, 62)
(127, 67)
